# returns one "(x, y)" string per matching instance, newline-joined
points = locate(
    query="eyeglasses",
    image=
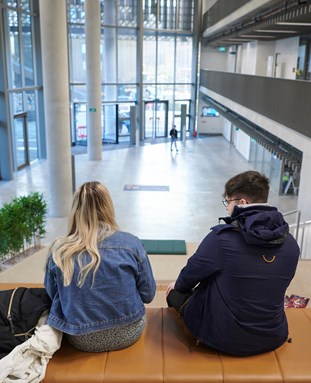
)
(227, 201)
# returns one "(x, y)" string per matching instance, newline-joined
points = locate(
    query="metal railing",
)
(297, 224)
(302, 233)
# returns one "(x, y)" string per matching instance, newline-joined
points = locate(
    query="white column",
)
(56, 104)
(93, 79)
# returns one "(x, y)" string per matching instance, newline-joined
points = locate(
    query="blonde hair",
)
(91, 219)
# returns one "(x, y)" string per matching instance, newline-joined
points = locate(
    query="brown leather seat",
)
(166, 352)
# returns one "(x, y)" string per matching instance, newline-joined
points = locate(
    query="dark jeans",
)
(178, 301)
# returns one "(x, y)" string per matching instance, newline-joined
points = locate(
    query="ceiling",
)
(265, 20)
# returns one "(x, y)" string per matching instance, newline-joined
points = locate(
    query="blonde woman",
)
(98, 277)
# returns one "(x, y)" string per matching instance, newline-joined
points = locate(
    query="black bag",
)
(20, 310)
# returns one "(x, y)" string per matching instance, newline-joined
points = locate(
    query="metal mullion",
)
(24, 89)
(157, 48)
(139, 69)
(177, 15)
(174, 84)
(117, 41)
(6, 156)
(6, 37)
(21, 53)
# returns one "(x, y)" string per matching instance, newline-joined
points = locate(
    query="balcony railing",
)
(302, 233)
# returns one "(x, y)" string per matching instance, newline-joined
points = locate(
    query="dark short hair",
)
(251, 185)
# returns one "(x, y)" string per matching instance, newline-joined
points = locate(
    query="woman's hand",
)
(170, 287)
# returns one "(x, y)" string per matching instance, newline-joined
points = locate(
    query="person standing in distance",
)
(231, 291)
(98, 277)
(173, 134)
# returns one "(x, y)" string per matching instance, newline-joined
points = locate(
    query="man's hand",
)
(170, 287)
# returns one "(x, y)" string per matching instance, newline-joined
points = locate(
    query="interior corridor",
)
(184, 203)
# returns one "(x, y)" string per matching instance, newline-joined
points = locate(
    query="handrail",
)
(290, 212)
(300, 230)
(303, 226)
(297, 220)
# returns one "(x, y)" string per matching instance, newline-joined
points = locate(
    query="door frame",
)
(23, 116)
(154, 133)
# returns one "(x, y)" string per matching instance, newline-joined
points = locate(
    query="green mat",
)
(156, 246)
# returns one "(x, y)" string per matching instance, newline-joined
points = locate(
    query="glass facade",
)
(22, 88)
(266, 162)
(303, 70)
(166, 71)
(14, 57)
(146, 60)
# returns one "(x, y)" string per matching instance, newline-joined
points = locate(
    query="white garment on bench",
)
(27, 362)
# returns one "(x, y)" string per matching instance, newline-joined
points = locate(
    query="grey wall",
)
(284, 101)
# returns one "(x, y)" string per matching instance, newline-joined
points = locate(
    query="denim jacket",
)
(123, 283)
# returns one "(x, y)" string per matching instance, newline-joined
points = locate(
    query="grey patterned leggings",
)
(109, 339)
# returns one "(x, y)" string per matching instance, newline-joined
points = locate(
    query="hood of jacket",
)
(259, 225)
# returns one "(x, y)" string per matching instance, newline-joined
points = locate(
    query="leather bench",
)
(166, 352)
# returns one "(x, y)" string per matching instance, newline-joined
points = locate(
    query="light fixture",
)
(237, 39)
(256, 36)
(289, 23)
(273, 31)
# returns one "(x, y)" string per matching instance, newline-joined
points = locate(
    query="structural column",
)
(56, 104)
(93, 79)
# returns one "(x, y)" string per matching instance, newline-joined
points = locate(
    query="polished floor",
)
(187, 187)
(157, 193)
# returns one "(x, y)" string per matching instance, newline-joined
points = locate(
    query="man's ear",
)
(243, 201)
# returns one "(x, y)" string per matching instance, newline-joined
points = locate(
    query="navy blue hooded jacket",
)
(241, 269)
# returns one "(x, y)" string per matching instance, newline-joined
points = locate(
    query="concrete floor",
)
(194, 179)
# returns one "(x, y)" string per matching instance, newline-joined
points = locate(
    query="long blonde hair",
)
(91, 219)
